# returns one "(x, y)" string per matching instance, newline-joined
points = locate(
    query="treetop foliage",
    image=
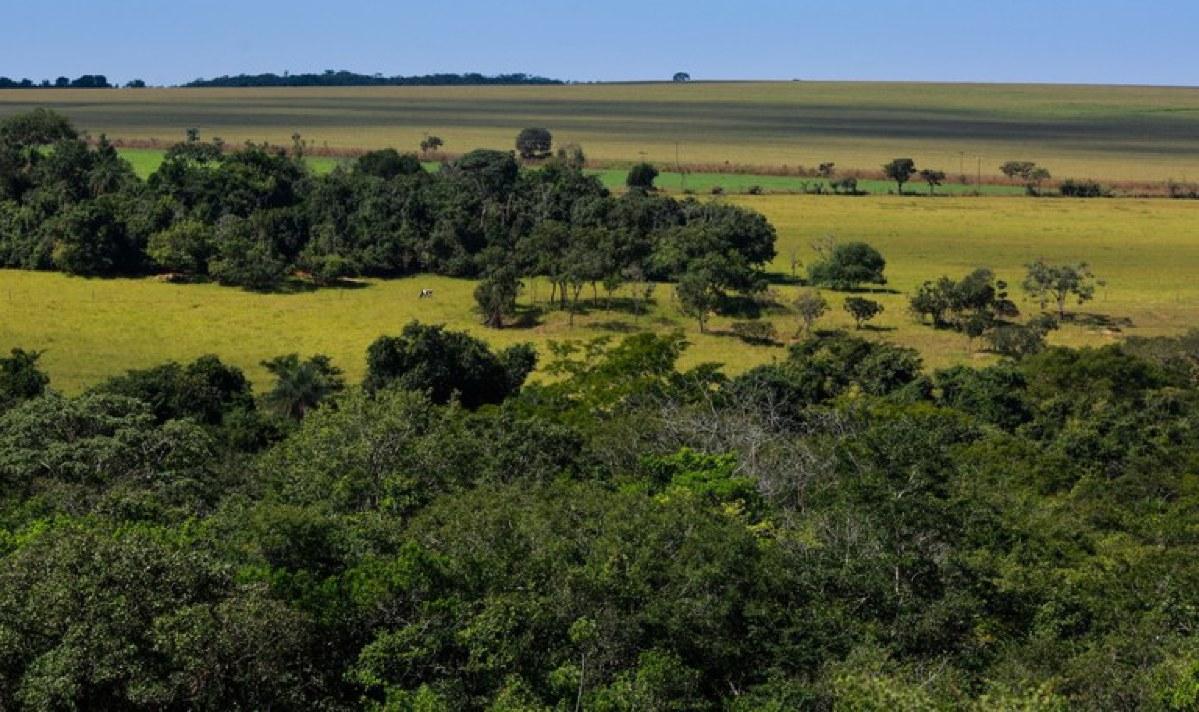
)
(621, 535)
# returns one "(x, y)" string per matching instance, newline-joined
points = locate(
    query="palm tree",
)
(301, 385)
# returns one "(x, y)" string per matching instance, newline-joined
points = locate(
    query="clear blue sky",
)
(167, 42)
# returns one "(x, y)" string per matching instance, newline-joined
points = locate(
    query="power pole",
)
(679, 167)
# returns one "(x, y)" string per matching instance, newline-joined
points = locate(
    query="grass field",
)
(1104, 132)
(1145, 250)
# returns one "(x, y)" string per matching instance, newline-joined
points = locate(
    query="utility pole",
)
(679, 167)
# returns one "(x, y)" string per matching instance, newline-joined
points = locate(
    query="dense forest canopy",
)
(840, 530)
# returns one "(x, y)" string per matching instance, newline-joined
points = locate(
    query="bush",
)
(534, 143)
(756, 331)
(1071, 188)
(848, 265)
(642, 176)
(717, 190)
(754, 190)
(862, 310)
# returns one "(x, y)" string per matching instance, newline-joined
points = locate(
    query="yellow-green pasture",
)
(1101, 132)
(1147, 252)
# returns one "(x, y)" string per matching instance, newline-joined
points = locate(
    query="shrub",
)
(1071, 188)
(534, 143)
(642, 176)
(848, 265)
(862, 310)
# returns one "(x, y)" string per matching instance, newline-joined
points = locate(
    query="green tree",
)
(641, 176)
(934, 178)
(184, 247)
(698, 291)
(809, 306)
(1046, 283)
(496, 295)
(862, 310)
(20, 378)
(431, 143)
(534, 143)
(848, 265)
(443, 363)
(901, 171)
(299, 385)
(387, 163)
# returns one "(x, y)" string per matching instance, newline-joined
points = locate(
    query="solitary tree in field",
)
(848, 265)
(900, 170)
(534, 143)
(1046, 282)
(682, 77)
(496, 295)
(809, 306)
(430, 144)
(698, 295)
(827, 170)
(1016, 169)
(862, 310)
(934, 178)
(1028, 172)
(642, 176)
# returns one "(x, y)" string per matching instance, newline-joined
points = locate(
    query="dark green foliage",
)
(642, 176)
(300, 386)
(534, 143)
(1071, 188)
(847, 266)
(20, 378)
(994, 395)
(206, 391)
(447, 364)
(812, 534)
(975, 303)
(387, 164)
(862, 310)
(254, 217)
(900, 170)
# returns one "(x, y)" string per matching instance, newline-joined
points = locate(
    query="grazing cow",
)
(426, 293)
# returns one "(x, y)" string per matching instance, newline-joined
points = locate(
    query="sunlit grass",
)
(1145, 251)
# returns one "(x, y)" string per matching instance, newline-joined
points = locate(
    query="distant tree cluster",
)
(343, 78)
(87, 81)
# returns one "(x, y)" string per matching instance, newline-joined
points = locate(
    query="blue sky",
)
(166, 42)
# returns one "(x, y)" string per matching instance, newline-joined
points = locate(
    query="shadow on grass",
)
(1099, 321)
(525, 318)
(616, 326)
(784, 279)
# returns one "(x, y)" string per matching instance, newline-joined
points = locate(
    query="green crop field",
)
(1104, 132)
(1144, 250)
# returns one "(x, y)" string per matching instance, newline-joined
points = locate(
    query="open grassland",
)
(1145, 250)
(1110, 133)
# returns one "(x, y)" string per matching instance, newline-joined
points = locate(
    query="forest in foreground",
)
(840, 530)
